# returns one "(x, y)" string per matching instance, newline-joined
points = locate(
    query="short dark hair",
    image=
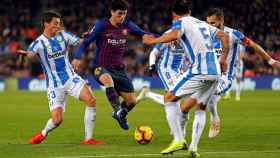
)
(119, 5)
(181, 7)
(48, 15)
(215, 11)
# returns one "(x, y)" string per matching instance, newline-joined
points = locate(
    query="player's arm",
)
(224, 38)
(136, 30)
(96, 30)
(152, 59)
(257, 48)
(25, 53)
(166, 37)
(31, 51)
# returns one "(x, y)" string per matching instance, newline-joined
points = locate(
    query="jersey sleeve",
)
(71, 38)
(136, 30)
(34, 47)
(239, 37)
(95, 32)
(154, 53)
(177, 25)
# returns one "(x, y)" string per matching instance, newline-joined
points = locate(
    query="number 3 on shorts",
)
(51, 95)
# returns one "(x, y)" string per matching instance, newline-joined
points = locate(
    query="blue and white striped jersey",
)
(196, 40)
(235, 47)
(54, 57)
(172, 56)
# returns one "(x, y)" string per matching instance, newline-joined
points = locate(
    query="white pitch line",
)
(156, 155)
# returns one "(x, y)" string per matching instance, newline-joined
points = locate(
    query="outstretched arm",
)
(26, 53)
(90, 37)
(167, 37)
(259, 50)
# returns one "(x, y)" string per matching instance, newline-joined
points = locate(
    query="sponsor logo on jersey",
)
(56, 54)
(115, 42)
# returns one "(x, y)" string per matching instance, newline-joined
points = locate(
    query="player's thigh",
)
(103, 76)
(78, 88)
(122, 82)
(56, 98)
(87, 97)
(185, 85)
(203, 95)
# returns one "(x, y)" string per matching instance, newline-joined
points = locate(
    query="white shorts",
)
(199, 87)
(168, 77)
(57, 96)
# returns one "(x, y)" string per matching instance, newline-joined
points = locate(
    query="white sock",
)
(212, 108)
(89, 120)
(155, 97)
(183, 122)
(198, 126)
(49, 127)
(238, 89)
(172, 110)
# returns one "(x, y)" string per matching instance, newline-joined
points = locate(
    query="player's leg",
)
(147, 93)
(173, 116)
(104, 77)
(215, 119)
(238, 77)
(238, 88)
(202, 96)
(83, 92)
(56, 105)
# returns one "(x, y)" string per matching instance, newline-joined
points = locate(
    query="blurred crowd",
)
(20, 24)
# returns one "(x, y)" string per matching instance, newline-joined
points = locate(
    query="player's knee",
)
(106, 80)
(91, 102)
(169, 97)
(131, 101)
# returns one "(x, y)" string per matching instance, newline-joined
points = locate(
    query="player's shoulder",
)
(228, 29)
(190, 19)
(37, 44)
(39, 40)
(234, 32)
(100, 23)
(128, 23)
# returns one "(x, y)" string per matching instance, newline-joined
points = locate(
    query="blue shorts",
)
(122, 82)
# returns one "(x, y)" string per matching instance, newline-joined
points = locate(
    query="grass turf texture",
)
(250, 128)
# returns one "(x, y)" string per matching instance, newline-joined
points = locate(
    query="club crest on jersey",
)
(97, 71)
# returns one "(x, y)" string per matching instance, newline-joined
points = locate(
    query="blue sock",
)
(113, 98)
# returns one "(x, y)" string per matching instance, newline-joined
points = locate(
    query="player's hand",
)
(151, 70)
(76, 64)
(22, 52)
(148, 39)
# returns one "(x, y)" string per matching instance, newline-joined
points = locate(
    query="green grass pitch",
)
(250, 129)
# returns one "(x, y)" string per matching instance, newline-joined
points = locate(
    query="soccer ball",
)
(143, 134)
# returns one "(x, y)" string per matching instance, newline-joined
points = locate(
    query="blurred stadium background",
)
(20, 24)
(249, 126)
